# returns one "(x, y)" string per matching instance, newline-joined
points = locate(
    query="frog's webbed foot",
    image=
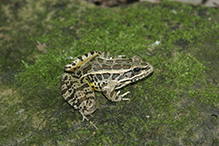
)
(85, 118)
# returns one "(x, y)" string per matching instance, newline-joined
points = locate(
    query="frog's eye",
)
(137, 69)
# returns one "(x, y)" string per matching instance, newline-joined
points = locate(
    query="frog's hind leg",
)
(87, 106)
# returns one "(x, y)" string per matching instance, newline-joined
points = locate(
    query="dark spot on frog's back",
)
(96, 67)
(73, 64)
(80, 58)
(79, 73)
(86, 69)
(71, 83)
(70, 90)
(85, 86)
(69, 86)
(86, 55)
(65, 78)
(106, 75)
(92, 53)
(64, 91)
(117, 66)
(82, 80)
(99, 76)
(92, 59)
(95, 79)
(100, 60)
(106, 66)
(126, 66)
(99, 85)
(78, 102)
(70, 97)
(115, 75)
(90, 76)
(88, 92)
(109, 61)
(124, 60)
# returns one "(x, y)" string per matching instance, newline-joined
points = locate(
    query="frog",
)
(100, 71)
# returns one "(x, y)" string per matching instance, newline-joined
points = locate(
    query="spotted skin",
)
(99, 71)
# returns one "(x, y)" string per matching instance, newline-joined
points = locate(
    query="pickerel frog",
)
(99, 71)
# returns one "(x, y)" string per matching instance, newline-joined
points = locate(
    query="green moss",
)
(164, 107)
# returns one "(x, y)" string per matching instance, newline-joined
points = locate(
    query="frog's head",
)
(134, 74)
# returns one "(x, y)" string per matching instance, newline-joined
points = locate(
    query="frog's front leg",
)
(108, 91)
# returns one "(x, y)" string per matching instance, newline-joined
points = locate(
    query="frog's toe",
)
(120, 96)
(125, 94)
(126, 99)
(84, 118)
